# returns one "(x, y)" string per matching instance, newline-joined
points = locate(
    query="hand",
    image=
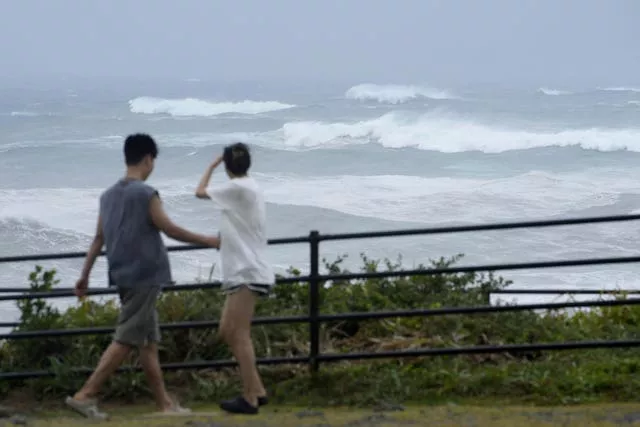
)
(213, 242)
(81, 287)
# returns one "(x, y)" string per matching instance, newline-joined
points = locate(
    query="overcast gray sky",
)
(584, 42)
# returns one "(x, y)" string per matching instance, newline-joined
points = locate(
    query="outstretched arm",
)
(164, 223)
(201, 191)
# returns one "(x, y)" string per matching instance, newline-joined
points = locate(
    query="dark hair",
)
(137, 146)
(237, 158)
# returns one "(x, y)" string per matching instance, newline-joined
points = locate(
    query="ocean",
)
(335, 159)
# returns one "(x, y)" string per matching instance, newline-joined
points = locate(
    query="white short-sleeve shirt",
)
(243, 239)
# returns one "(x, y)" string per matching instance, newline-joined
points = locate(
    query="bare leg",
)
(245, 356)
(111, 360)
(235, 328)
(151, 366)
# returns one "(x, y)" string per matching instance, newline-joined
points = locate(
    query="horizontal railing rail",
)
(316, 280)
(176, 248)
(374, 234)
(68, 292)
(336, 317)
(481, 227)
(567, 291)
(337, 357)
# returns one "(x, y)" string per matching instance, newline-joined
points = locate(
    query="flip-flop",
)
(88, 408)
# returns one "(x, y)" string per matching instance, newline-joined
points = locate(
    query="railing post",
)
(314, 300)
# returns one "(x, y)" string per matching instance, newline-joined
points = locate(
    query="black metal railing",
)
(316, 280)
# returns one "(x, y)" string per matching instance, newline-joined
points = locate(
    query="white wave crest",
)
(394, 94)
(450, 135)
(197, 107)
(553, 92)
(621, 89)
(26, 114)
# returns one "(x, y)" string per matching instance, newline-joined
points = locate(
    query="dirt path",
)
(452, 415)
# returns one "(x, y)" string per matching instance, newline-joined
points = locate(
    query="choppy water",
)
(336, 159)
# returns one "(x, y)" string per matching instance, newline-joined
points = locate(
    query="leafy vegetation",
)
(538, 377)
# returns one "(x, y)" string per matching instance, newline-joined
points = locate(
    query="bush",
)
(551, 377)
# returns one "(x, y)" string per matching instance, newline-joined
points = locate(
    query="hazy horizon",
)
(572, 43)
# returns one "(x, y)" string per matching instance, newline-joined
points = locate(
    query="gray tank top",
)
(136, 254)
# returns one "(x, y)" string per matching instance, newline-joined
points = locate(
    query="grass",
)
(448, 415)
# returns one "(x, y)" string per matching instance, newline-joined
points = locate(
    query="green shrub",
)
(549, 377)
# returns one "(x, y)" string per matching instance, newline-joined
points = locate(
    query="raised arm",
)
(164, 223)
(201, 191)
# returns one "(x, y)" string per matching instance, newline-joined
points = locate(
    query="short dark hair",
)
(137, 146)
(237, 158)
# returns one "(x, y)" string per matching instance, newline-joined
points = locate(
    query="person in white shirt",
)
(245, 270)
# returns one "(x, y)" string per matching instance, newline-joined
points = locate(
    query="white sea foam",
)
(432, 132)
(71, 209)
(23, 114)
(390, 197)
(621, 89)
(201, 108)
(43, 220)
(394, 94)
(62, 208)
(441, 200)
(449, 134)
(27, 114)
(553, 92)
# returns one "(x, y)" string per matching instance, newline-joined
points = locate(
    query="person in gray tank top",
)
(130, 220)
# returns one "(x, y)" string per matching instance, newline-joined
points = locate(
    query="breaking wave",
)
(621, 89)
(553, 92)
(200, 108)
(450, 135)
(394, 94)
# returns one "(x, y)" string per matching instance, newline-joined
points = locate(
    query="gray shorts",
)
(138, 323)
(257, 288)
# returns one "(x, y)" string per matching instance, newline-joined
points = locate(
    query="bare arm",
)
(201, 191)
(94, 250)
(164, 223)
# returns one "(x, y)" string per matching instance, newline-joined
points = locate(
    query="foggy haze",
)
(449, 42)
